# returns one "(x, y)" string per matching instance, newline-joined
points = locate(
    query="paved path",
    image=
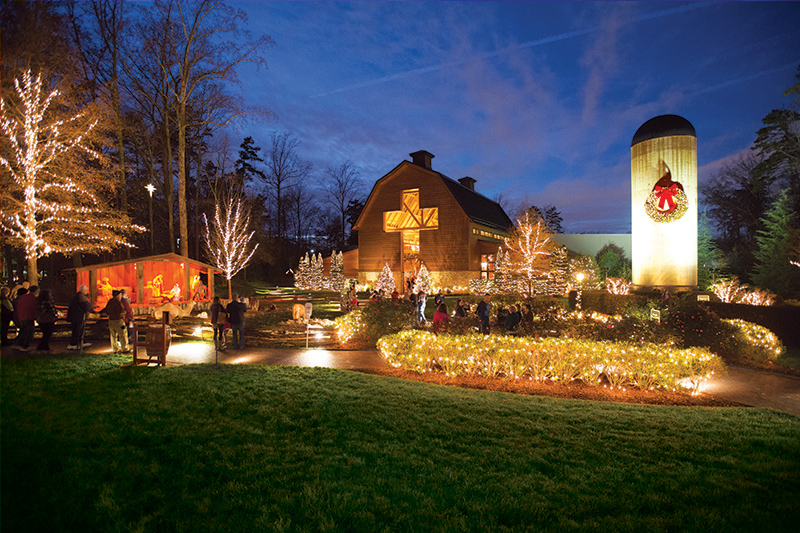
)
(742, 385)
(758, 388)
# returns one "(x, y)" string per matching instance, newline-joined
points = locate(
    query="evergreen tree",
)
(559, 269)
(423, 282)
(386, 280)
(709, 258)
(302, 272)
(336, 282)
(773, 269)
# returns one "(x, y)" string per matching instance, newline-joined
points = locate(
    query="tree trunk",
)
(33, 271)
(168, 184)
(182, 218)
(196, 219)
(229, 289)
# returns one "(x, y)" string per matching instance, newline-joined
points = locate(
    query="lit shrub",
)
(620, 365)
(374, 320)
(753, 342)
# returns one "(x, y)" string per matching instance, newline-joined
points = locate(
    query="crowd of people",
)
(25, 305)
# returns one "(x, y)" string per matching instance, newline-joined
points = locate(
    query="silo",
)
(664, 204)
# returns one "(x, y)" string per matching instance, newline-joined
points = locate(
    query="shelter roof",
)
(170, 257)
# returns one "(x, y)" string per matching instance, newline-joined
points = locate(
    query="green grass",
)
(791, 358)
(88, 446)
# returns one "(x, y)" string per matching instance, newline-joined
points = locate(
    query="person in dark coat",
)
(236, 311)
(7, 309)
(46, 316)
(79, 308)
(461, 310)
(218, 320)
(117, 329)
(26, 313)
(484, 311)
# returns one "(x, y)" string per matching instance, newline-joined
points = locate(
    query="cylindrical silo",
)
(664, 204)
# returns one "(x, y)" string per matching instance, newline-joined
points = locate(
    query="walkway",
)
(742, 385)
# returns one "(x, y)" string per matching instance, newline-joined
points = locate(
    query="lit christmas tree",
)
(559, 271)
(227, 239)
(315, 278)
(583, 273)
(301, 274)
(386, 280)
(336, 281)
(52, 203)
(423, 282)
(504, 281)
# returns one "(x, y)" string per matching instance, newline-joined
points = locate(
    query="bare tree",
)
(284, 171)
(199, 61)
(530, 244)
(227, 239)
(342, 186)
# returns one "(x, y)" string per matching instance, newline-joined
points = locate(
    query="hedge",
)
(618, 365)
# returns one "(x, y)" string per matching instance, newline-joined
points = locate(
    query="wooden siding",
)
(443, 249)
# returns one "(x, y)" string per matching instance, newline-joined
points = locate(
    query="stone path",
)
(742, 385)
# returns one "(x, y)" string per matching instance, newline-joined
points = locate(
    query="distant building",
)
(415, 215)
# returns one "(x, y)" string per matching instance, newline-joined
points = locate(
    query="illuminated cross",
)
(411, 216)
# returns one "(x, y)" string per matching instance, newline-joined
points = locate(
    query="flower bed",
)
(617, 365)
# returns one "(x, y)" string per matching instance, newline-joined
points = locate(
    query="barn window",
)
(487, 266)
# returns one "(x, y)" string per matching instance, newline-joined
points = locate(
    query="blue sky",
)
(538, 101)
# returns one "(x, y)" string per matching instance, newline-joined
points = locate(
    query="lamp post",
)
(579, 276)
(150, 188)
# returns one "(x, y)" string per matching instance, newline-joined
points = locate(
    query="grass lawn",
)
(88, 446)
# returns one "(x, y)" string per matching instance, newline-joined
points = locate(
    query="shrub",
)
(754, 343)
(696, 325)
(620, 365)
(374, 320)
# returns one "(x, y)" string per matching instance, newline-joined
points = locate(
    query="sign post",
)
(308, 317)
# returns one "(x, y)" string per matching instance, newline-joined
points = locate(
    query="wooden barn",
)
(150, 281)
(415, 215)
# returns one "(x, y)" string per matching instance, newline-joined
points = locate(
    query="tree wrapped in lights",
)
(315, 280)
(227, 239)
(618, 286)
(530, 244)
(584, 273)
(301, 274)
(386, 280)
(336, 281)
(504, 281)
(52, 201)
(558, 275)
(423, 281)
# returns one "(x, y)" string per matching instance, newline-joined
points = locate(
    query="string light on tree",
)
(50, 204)
(227, 240)
(385, 281)
(423, 281)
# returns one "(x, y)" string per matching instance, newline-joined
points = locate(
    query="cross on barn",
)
(415, 215)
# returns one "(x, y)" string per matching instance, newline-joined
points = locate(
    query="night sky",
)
(537, 101)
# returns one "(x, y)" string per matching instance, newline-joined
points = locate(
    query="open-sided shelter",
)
(416, 215)
(150, 281)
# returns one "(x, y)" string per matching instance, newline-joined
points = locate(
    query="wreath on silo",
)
(667, 202)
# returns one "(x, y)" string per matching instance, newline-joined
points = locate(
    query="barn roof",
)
(476, 206)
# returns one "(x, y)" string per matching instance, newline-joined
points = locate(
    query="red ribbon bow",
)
(666, 196)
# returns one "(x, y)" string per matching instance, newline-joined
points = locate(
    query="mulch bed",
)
(576, 390)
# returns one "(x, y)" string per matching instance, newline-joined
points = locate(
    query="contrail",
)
(528, 44)
(728, 83)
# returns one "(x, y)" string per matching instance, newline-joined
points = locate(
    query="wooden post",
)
(140, 283)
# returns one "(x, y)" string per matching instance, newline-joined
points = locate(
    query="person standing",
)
(421, 301)
(117, 329)
(126, 304)
(484, 311)
(26, 313)
(218, 319)
(79, 308)
(6, 316)
(46, 316)
(236, 311)
(512, 318)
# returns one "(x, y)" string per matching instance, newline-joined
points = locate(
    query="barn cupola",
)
(468, 182)
(422, 159)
